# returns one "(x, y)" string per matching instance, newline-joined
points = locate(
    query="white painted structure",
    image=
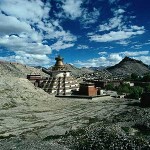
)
(61, 74)
(61, 81)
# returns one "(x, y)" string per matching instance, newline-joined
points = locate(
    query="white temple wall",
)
(60, 74)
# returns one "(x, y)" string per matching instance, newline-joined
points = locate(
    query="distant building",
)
(104, 83)
(130, 83)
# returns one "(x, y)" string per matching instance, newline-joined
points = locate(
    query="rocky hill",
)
(97, 68)
(17, 69)
(128, 66)
(78, 71)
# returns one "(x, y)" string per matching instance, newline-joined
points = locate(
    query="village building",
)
(87, 89)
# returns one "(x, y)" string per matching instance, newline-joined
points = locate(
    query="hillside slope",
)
(78, 71)
(128, 66)
(17, 70)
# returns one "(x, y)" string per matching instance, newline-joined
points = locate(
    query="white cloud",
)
(135, 27)
(108, 47)
(137, 46)
(72, 8)
(88, 63)
(16, 43)
(110, 59)
(28, 59)
(102, 53)
(25, 26)
(119, 11)
(89, 17)
(61, 45)
(24, 9)
(11, 25)
(123, 42)
(136, 53)
(145, 59)
(147, 43)
(116, 29)
(113, 23)
(114, 57)
(114, 36)
(82, 47)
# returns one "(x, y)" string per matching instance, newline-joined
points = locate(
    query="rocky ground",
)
(32, 119)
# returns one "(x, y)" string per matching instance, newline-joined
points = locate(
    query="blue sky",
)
(84, 32)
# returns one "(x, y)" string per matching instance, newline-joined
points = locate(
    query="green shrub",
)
(135, 92)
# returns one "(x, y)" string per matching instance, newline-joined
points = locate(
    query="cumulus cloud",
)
(25, 27)
(72, 8)
(16, 43)
(115, 36)
(29, 59)
(82, 47)
(110, 59)
(11, 25)
(61, 45)
(137, 46)
(102, 53)
(145, 59)
(123, 42)
(136, 53)
(114, 57)
(88, 63)
(113, 23)
(116, 29)
(119, 11)
(89, 17)
(25, 10)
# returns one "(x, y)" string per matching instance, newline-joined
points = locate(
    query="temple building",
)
(60, 81)
(87, 89)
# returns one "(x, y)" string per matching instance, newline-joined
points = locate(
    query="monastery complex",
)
(60, 81)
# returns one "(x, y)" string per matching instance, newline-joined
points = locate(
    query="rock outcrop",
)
(128, 66)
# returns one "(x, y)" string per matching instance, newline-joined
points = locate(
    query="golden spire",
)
(59, 63)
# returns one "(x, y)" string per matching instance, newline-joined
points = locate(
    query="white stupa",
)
(60, 82)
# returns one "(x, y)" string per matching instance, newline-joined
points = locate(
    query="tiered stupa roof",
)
(59, 64)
